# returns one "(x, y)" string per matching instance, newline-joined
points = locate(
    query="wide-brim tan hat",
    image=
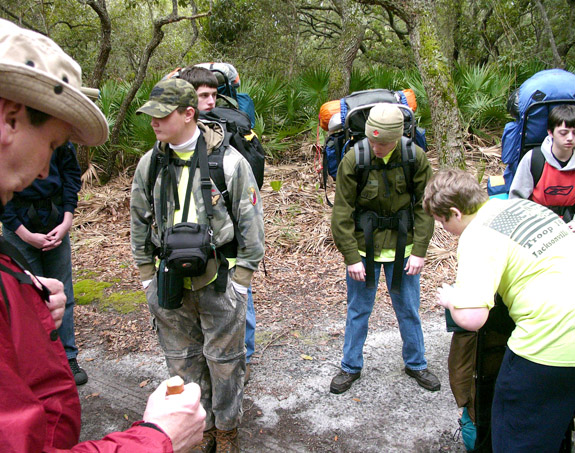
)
(36, 72)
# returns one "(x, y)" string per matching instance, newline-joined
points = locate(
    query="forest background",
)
(461, 57)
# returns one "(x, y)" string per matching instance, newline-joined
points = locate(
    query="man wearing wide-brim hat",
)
(41, 108)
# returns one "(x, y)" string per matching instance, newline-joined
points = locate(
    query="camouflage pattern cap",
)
(167, 96)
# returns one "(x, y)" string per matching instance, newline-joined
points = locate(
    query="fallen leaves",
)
(300, 283)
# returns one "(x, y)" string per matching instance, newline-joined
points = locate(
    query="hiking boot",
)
(247, 375)
(208, 443)
(227, 441)
(342, 381)
(425, 379)
(80, 375)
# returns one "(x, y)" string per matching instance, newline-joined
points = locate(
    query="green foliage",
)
(88, 291)
(276, 185)
(360, 80)
(286, 110)
(526, 69)
(125, 302)
(228, 21)
(482, 93)
(136, 136)
(313, 85)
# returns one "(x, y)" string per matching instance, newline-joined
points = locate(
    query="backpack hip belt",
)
(32, 212)
(368, 222)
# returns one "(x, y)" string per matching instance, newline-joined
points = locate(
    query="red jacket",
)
(40, 408)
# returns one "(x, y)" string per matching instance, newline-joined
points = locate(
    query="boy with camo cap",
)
(203, 340)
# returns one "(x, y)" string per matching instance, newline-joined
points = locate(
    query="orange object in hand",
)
(175, 385)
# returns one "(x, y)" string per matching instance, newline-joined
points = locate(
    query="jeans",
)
(55, 263)
(250, 327)
(360, 300)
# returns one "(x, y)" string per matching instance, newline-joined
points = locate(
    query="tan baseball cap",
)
(36, 72)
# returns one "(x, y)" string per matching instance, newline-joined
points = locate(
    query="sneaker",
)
(80, 375)
(342, 381)
(227, 441)
(425, 379)
(247, 375)
(208, 444)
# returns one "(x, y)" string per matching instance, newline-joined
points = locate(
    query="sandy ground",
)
(287, 404)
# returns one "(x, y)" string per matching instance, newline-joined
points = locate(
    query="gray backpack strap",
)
(362, 163)
(409, 161)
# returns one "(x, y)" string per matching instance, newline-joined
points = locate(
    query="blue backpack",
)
(530, 106)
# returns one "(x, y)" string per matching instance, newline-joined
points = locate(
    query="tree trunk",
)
(434, 62)
(154, 42)
(430, 24)
(557, 62)
(352, 33)
(99, 6)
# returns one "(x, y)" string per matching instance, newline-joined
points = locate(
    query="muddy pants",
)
(203, 342)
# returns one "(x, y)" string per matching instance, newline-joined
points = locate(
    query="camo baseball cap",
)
(167, 96)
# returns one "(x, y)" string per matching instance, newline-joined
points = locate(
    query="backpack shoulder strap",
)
(362, 163)
(537, 164)
(154, 170)
(409, 161)
(206, 184)
(9, 250)
(216, 165)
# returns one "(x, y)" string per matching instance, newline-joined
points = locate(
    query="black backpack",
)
(567, 213)
(402, 221)
(240, 135)
(253, 154)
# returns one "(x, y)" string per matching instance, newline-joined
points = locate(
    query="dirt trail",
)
(287, 405)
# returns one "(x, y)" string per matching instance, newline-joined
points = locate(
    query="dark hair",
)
(198, 76)
(183, 110)
(36, 117)
(564, 113)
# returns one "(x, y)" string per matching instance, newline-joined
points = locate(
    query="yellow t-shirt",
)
(527, 254)
(192, 213)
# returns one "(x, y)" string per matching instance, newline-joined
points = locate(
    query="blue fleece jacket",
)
(62, 184)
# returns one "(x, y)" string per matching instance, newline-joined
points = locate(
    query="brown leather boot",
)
(208, 444)
(227, 441)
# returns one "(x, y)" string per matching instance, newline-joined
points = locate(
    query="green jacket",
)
(385, 199)
(246, 205)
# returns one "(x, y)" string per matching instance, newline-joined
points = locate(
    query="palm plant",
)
(359, 81)
(381, 77)
(526, 69)
(136, 135)
(482, 93)
(313, 85)
(412, 79)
